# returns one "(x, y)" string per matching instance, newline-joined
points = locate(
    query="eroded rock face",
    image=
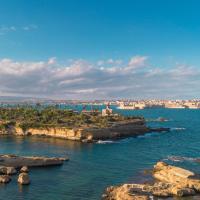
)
(23, 179)
(76, 134)
(5, 179)
(169, 181)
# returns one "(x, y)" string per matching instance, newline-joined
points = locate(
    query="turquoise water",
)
(93, 167)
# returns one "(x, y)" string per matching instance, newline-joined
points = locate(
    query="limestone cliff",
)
(117, 130)
(57, 132)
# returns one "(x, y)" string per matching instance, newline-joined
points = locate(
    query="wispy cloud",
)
(82, 79)
(9, 29)
(137, 61)
(109, 61)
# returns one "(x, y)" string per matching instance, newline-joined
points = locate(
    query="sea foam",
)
(178, 129)
(105, 142)
(181, 159)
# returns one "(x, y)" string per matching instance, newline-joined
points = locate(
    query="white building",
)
(107, 111)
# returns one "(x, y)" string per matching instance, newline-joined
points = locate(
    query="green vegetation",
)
(53, 117)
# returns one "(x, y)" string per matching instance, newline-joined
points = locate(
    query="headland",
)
(72, 125)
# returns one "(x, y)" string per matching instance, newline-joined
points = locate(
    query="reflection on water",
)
(42, 140)
(23, 188)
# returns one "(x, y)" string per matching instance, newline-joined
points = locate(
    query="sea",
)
(93, 167)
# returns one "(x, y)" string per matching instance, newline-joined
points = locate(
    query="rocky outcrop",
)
(169, 181)
(24, 169)
(65, 133)
(125, 192)
(9, 164)
(5, 179)
(120, 132)
(7, 170)
(23, 178)
(177, 176)
(115, 130)
(30, 161)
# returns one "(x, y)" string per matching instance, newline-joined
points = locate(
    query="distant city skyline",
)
(67, 49)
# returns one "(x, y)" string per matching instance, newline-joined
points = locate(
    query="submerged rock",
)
(5, 179)
(169, 181)
(29, 161)
(162, 119)
(23, 179)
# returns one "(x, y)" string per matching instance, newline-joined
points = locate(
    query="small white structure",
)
(107, 111)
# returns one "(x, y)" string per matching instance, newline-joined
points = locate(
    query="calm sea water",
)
(93, 167)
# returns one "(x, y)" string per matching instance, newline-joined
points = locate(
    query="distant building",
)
(131, 106)
(107, 111)
(192, 105)
(175, 105)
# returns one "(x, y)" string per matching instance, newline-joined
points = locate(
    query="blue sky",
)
(104, 34)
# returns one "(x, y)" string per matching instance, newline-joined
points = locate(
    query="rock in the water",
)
(170, 181)
(5, 179)
(180, 177)
(182, 182)
(30, 161)
(125, 192)
(24, 169)
(23, 179)
(7, 170)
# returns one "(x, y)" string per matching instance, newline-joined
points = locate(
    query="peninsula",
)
(88, 126)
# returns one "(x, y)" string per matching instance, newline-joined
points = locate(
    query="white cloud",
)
(84, 80)
(110, 61)
(100, 62)
(52, 61)
(9, 29)
(137, 61)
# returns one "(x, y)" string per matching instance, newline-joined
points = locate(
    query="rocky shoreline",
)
(169, 181)
(119, 130)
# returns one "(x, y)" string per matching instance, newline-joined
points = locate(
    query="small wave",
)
(141, 136)
(105, 142)
(159, 119)
(181, 159)
(178, 129)
(125, 140)
(147, 135)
